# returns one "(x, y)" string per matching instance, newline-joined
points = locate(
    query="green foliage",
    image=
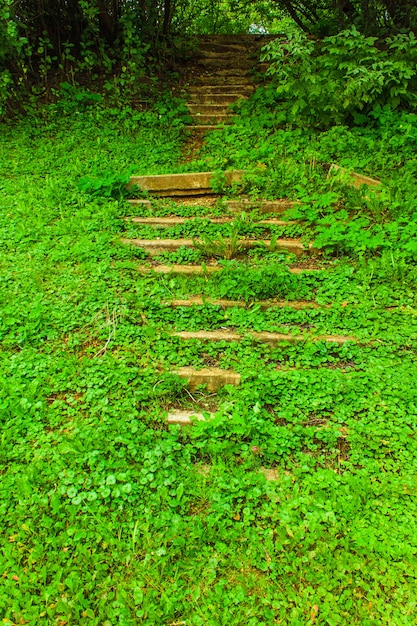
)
(107, 184)
(343, 77)
(12, 44)
(108, 515)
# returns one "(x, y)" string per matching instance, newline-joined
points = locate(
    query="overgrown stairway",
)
(201, 249)
(221, 70)
(159, 232)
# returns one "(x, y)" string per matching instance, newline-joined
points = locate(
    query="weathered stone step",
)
(235, 206)
(213, 377)
(263, 337)
(195, 183)
(159, 246)
(229, 304)
(242, 88)
(181, 270)
(211, 119)
(166, 222)
(185, 418)
(355, 179)
(263, 206)
(208, 109)
(227, 60)
(200, 128)
(190, 270)
(220, 78)
(215, 98)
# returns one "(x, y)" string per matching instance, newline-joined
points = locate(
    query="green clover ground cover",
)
(110, 517)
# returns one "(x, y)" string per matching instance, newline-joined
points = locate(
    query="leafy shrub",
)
(343, 77)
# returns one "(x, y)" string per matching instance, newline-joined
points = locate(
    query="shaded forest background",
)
(120, 38)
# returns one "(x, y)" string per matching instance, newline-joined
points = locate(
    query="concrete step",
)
(220, 78)
(211, 120)
(297, 305)
(185, 418)
(195, 183)
(262, 337)
(140, 202)
(166, 222)
(200, 109)
(155, 247)
(225, 99)
(233, 206)
(213, 377)
(355, 180)
(263, 206)
(229, 63)
(182, 270)
(200, 128)
(241, 88)
(203, 270)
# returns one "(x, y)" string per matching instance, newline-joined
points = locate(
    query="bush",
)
(343, 78)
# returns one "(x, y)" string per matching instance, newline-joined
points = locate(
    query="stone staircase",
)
(302, 261)
(221, 71)
(218, 74)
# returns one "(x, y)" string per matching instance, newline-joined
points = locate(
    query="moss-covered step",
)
(214, 378)
(230, 304)
(166, 222)
(155, 247)
(262, 337)
(192, 183)
(188, 270)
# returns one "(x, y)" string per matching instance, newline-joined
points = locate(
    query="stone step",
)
(227, 60)
(208, 109)
(263, 206)
(229, 304)
(211, 119)
(196, 270)
(213, 377)
(181, 270)
(140, 202)
(355, 180)
(166, 222)
(225, 99)
(234, 206)
(185, 418)
(263, 337)
(200, 128)
(242, 88)
(154, 247)
(221, 78)
(195, 183)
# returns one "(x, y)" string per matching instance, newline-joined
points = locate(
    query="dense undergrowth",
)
(111, 517)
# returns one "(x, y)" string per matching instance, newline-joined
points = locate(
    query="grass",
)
(109, 516)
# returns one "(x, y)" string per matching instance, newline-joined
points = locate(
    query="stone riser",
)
(239, 206)
(155, 247)
(167, 222)
(264, 305)
(218, 80)
(270, 338)
(205, 270)
(209, 110)
(182, 184)
(214, 378)
(241, 88)
(214, 99)
(210, 120)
